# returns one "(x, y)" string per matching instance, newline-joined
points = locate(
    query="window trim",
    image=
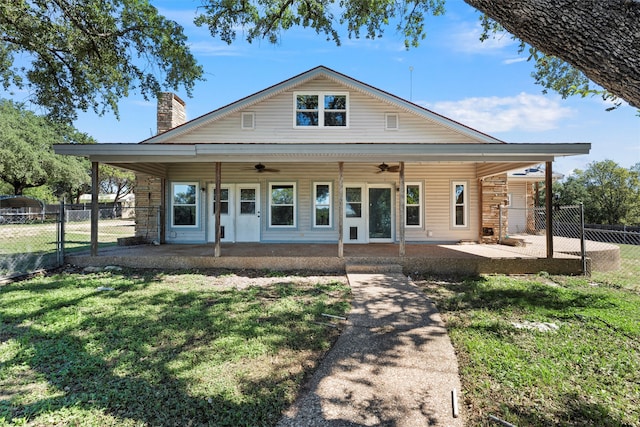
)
(321, 110)
(196, 204)
(294, 205)
(420, 204)
(330, 204)
(464, 204)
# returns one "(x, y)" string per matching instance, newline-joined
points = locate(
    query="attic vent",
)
(391, 121)
(248, 121)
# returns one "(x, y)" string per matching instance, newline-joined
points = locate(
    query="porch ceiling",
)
(128, 154)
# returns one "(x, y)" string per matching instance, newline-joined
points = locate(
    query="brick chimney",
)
(171, 112)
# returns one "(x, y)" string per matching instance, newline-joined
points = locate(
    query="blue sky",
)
(484, 85)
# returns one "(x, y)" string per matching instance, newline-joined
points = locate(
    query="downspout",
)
(95, 211)
(548, 197)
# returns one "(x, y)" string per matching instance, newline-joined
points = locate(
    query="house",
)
(320, 158)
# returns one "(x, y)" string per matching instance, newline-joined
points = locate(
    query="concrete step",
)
(355, 268)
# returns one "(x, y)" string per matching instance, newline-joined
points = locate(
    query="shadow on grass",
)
(471, 293)
(574, 410)
(130, 354)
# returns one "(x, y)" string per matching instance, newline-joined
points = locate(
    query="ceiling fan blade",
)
(393, 168)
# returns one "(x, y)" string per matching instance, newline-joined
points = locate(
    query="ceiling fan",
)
(386, 168)
(262, 168)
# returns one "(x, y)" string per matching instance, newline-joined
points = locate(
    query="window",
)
(321, 109)
(459, 204)
(282, 207)
(322, 204)
(353, 203)
(184, 201)
(224, 201)
(413, 205)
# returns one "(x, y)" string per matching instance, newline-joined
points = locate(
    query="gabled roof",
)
(337, 77)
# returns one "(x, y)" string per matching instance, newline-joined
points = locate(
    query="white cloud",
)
(213, 48)
(514, 60)
(523, 112)
(466, 39)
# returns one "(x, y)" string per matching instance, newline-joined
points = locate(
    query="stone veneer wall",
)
(148, 207)
(494, 194)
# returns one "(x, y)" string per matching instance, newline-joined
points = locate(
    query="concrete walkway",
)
(393, 365)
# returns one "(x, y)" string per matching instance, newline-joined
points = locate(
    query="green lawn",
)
(160, 348)
(586, 373)
(628, 275)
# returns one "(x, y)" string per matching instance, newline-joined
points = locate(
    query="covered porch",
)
(459, 259)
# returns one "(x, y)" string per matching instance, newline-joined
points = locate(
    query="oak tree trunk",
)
(599, 37)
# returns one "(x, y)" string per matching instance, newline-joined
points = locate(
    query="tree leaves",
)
(87, 55)
(26, 155)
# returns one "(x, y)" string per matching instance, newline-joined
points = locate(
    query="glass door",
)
(380, 214)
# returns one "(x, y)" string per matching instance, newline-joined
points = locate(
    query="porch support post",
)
(403, 204)
(340, 209)
(95, 208)
(480, 211)
(218, 204)
(548, 196)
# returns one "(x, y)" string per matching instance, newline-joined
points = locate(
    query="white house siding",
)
(274, 123)
(435, 178)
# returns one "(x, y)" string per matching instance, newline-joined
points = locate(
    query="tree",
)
(116, 181)
(598, 38)
(26, 155)
(609, 192)
(81, 55)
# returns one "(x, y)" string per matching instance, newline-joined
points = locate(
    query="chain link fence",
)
(613, 252)
(30, 242)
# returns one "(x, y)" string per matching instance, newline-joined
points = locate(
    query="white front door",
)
(248, 212)
(239, 213)
(355, 224)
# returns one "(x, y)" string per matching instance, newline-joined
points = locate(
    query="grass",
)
(160, 348)
(28, 247)
(585, 373)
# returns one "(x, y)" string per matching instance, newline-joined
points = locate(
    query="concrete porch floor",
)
(419, 258)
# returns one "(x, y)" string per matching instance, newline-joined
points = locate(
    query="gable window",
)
(319, 109)
(184, 204)
(459, 204)
(322, 204)
(413, 205)
(282, 205)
